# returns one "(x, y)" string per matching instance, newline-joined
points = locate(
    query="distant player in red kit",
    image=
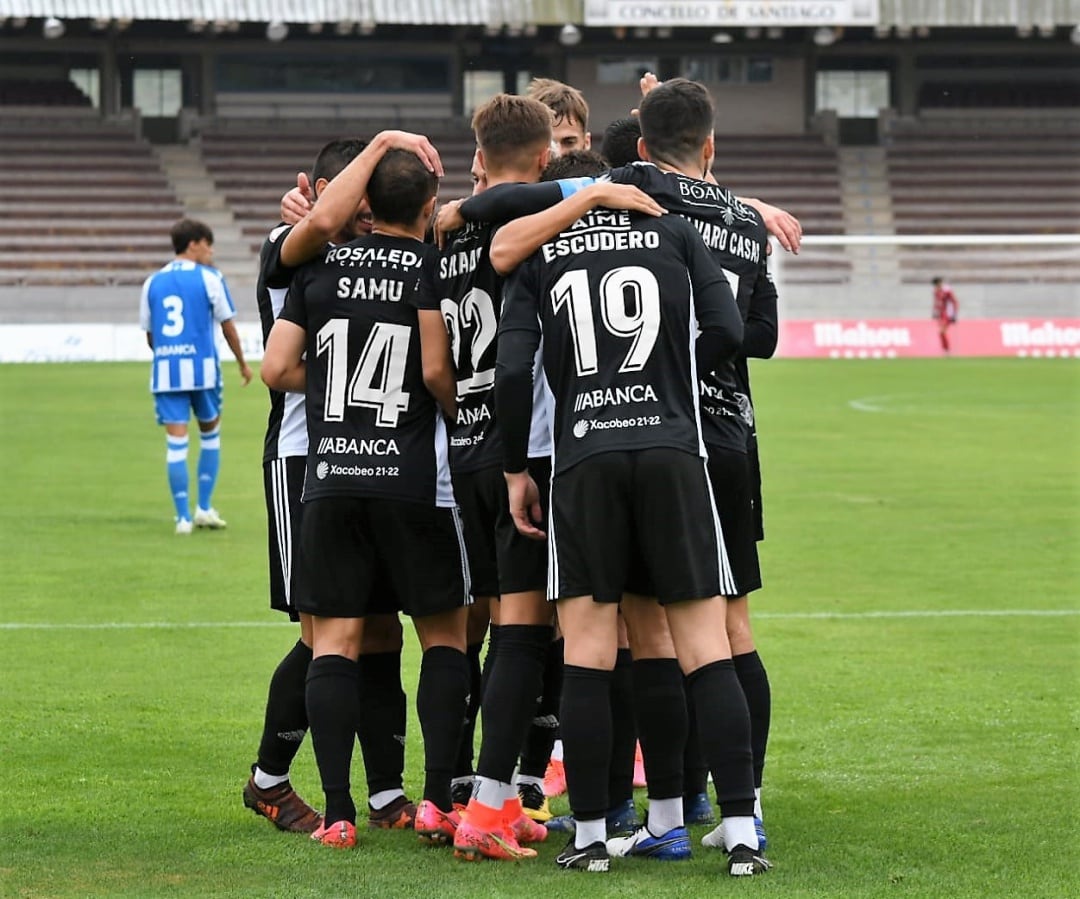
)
(945, 309)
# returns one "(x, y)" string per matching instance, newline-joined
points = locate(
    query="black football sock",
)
(755, 684)
(585, 722)
(380, 724)
(624, 732)
(660, 705)
(695, 768)
(724, 726)
(440, 705)
(540, 739)
(286, 719)
(489, 659)
(332, 710)
(463, 767)
(511, 696)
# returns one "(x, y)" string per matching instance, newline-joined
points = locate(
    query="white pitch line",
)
(777, 616)
(928, 613)
(869, 403)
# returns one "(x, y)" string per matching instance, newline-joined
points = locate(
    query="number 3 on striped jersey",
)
(378, 380)
(627, 286)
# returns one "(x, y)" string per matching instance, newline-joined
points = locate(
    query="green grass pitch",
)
(919, 622)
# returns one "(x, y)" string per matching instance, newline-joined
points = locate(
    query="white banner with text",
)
(705, 13)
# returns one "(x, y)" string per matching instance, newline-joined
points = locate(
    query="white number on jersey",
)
(629, 286)
(477, 309)
(377, 382)
(174, 314)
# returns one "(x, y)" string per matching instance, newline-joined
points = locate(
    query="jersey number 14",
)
(378, 379)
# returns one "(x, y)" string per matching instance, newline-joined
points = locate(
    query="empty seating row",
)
(952, 183)
(91, 204)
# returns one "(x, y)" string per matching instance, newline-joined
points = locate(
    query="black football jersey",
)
(737, 238)
(618, 300)
(286, 425)
(374, 428)
(470, 293)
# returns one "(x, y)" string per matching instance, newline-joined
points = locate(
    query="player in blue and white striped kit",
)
(180, 304)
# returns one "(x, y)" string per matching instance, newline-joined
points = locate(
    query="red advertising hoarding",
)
(831, 338)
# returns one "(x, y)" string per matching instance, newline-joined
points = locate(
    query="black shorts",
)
(729, 472)
(640, 522)
(755, 490)
(283, 484)
(501, 560)
(364, 555)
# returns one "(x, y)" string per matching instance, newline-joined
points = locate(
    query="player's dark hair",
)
(936, 281)
(333, 158)
(510, 130)
(399, 187)
(620, 142)
(187, 230)
(575, 164)
(676, 119)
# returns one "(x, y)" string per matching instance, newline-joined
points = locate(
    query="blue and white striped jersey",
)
(180, 305)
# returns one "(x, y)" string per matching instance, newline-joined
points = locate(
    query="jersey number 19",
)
(629, 287)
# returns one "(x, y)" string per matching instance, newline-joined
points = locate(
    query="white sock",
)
(383, 798)
(265, 781)
(739, 831)
(757, 804)
(521, 779)
(493, 793)
(714, 839)
(589, 832)
(665, 815)
(556, 751)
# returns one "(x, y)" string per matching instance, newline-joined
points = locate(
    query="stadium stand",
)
(254, 164)
(92, 205)
(957, 180)
(801, 174)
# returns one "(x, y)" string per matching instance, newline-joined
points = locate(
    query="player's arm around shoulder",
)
(780, 223)
(518, 240)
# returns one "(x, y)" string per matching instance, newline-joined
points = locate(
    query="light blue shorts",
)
(175, 407)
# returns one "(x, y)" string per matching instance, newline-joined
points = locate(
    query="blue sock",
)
(176, 465)
(209, 462)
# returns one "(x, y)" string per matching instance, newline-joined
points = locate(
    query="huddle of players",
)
(639, 409)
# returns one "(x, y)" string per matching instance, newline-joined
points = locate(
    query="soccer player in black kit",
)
(375, 369)
(736, 238)
(383, 710)
(617, 301)
(513, 137)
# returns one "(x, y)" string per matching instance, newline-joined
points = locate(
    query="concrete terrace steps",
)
(202, 199)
